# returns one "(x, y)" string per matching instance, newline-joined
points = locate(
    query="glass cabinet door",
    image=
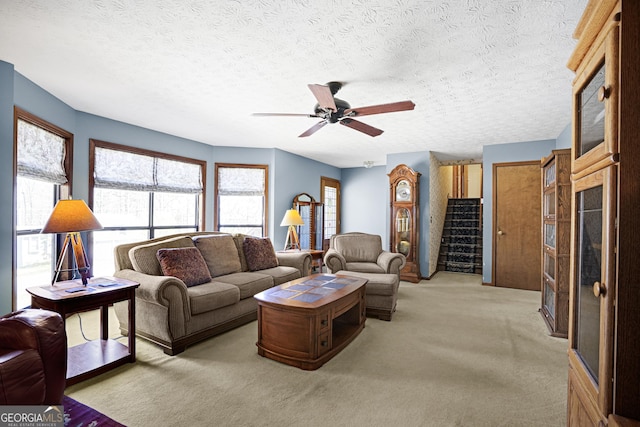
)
(312, 213)
(304, 231)
(550, 235)
(592, 281)
(595, 107)
(591, 113)
(550, 175)
(589, 272)
(319, 227)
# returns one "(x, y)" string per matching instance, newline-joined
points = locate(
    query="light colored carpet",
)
(455, 354)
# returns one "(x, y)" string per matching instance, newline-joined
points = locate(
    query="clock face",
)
(403, 191)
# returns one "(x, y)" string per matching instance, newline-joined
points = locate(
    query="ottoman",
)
(381, 293)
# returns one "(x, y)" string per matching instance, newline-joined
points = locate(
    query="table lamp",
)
(291, 219)
(71, 217)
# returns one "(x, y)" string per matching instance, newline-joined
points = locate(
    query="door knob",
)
(599, 289)
(500, 233)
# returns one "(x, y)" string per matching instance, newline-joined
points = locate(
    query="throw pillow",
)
(186, 264)
(144, 259)
(220, 254)
(259, 253)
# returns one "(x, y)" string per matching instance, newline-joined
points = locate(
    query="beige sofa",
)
(361, 255)
(196, 285)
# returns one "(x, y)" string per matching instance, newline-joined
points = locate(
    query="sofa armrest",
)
(334, 261)
(391, 262)
(167, 291)
(299, 260)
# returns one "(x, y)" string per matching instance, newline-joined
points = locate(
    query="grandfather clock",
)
(404, 195)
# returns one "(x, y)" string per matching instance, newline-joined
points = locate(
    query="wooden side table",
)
(95, 357)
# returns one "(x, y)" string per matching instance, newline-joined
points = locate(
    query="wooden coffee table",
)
(305, 322)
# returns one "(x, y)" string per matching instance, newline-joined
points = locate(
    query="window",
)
(330, 192)
(139, 194)
(43, 162)
(241, 199)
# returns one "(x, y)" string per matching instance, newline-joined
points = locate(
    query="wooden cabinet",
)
(556, 241)
(312, 213)
(604, 337)
(404, 187)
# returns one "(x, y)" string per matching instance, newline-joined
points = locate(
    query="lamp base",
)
(292, 241)
(82, 262)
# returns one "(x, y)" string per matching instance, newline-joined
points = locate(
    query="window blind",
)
(40, 154)
(123, 170)
(241, 181)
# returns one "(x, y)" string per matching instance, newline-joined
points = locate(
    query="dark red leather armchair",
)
(33, 358)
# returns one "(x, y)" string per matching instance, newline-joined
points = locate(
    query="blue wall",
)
(288, 174)
(502, 153)
(365, 201)
(564, 139)
(6, 190)
(293, 175)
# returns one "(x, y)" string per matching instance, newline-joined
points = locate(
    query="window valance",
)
(129, 171)
(236, 181)
(41, 154)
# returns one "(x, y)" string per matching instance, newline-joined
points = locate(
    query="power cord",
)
(82, 330)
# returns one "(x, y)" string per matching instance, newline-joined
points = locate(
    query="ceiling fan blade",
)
(362, 127)
(324, 96)
(284, 115)
(313, 129)
(382, 108)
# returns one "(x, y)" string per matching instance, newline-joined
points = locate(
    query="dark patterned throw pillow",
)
(259, 253)
(187, 264)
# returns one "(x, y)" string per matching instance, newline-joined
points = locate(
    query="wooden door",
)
(516, 225)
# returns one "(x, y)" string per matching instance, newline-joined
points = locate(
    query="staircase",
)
(461, 244)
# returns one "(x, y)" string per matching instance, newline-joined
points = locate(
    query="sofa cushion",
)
(186, 264)
(144, 259)
(282, 274)
(239, 240)
(259, 253)
(377, 284)
(220, 254)
(211, 296)
(358, 247)
(365, 267)
(249, 283)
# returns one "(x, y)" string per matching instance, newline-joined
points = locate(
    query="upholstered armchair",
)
(363, 253)
(33, 358)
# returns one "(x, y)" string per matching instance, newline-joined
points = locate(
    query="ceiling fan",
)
(333, 110)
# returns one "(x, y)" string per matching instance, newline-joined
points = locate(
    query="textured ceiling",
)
(480, 72)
